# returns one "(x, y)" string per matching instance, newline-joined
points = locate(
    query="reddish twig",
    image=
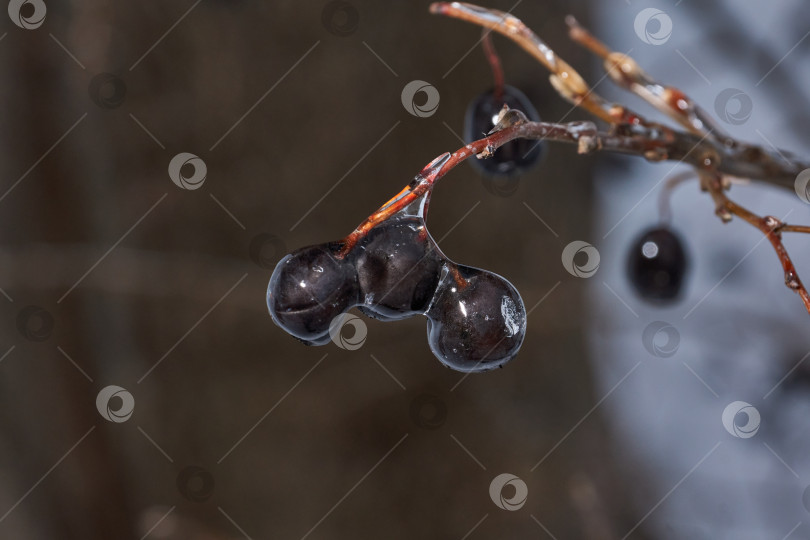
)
(716, 159)
(715, 155)
(512, 125)
(494, 63)
(650, 143)
(731, 157)
(563, 77)
(770, 226)
(627, 74)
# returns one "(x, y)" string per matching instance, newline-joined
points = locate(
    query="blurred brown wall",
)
(160, 294)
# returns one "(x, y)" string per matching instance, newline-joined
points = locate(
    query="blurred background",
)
(146, 393)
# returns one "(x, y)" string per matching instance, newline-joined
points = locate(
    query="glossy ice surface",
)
(308, 289)
(398, 267)
(476, 319)
(477, 327)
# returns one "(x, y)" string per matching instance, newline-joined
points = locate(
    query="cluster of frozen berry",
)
(475, 319)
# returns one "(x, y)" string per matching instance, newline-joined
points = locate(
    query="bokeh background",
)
(113, 275)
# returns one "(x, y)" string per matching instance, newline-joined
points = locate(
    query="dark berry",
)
(514, 157)
(657, 264)
(309, 288)
(398, 268)
(478, 324)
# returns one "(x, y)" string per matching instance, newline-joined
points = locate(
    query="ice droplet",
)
(511, 316)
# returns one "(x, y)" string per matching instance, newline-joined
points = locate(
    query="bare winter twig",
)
(716, 156)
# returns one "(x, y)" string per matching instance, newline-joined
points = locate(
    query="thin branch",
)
(795, 228)
(494, 63)
(627, 74)
(716, 157)
(770, 226)
(652, 140)
(564, 78)
(653, 144)
(665, 196)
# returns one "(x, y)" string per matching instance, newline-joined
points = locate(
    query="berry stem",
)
(511, 127)
(494, 63)
(665, 195)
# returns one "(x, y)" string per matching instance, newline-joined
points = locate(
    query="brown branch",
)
(656, 144)
(627, 74)
(795, 228)
(512, 125)
(652, 140)
(564, 78)
(715, 156)
(650, 143)
(770, 226)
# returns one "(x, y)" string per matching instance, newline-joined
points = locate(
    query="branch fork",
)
(716, 157)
